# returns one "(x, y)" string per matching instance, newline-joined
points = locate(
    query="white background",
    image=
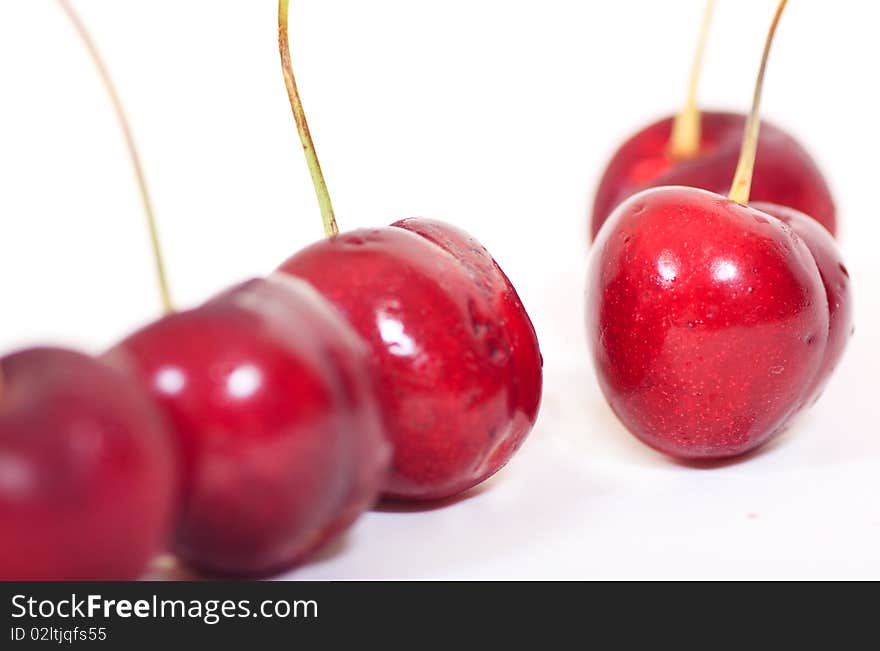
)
(498, 116)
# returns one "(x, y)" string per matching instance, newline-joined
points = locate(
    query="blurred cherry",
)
(267, 390)
(87, 470)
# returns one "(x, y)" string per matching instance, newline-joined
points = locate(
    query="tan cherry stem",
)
(104, 73)
(742, 179)
(685, 139)
(302, 126)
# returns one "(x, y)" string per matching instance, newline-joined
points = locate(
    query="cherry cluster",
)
(398, 362)
(245, 433)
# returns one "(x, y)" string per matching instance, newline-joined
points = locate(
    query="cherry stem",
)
(685, 139)
(742, 179)
(302, 126)
(106, 79)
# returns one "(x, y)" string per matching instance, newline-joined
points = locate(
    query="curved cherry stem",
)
(107, 80)
(742, 179)
(686, 130)
(302, 126)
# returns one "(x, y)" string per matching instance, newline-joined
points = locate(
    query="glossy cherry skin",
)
(455, 355)
(708, 322)
(785, 174)
(268, 391)
(88, 472)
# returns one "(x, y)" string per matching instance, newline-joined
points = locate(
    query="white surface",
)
(495, 115)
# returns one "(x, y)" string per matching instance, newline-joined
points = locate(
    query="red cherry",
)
(87, 470)
(456, 358)
(708, 320)
(785, 173)
(267, 389)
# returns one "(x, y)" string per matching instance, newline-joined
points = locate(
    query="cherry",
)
(456, 359)
(267, 390)
(701, 150)
(712, 323)
(87, 471)
(708, 321)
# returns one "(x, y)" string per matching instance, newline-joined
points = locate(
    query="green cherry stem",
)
(106, 79)
(685, 140)
(302, 126)
(742, 179)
